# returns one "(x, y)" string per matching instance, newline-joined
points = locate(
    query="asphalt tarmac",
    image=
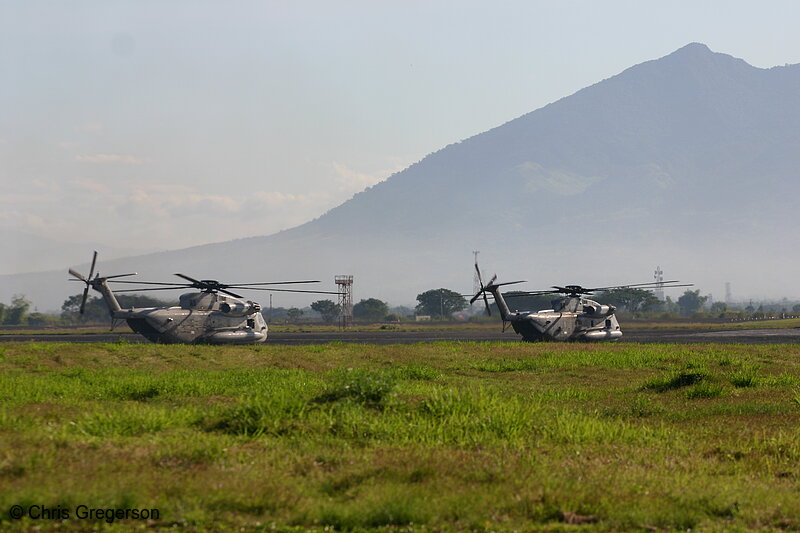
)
(749, 336)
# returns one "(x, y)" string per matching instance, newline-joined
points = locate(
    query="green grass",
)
(429, 437)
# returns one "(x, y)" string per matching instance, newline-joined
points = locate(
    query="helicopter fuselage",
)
(202, 318)
(572, 319)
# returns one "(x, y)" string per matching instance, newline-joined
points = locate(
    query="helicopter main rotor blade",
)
(143, 289)
(187, 278)
(271, 283)
(77, 275)
(529, 293)
(509, 283)
(665, 284)
(83, 299)
(120, 276)
(577, 289)
(289, 290)
(174, 285)
(229, 293)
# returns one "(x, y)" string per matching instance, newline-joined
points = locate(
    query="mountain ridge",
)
(659, 160)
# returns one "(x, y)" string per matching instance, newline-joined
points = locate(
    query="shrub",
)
(743, 379)
(418, 372)
(705, 390)
(675, 381)
(368, 387)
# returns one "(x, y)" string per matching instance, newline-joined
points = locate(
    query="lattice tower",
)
(345, 287)
(659, 277)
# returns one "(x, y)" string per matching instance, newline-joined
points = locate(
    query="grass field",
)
(428, 437)
(486, 324)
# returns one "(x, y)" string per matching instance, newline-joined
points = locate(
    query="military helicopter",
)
(572, 318)
(213, 315)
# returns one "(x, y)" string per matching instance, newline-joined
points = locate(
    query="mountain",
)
(688, 161)
(46, 252)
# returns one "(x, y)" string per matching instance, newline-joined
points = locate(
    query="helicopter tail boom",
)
(494, 289)
(100, 285)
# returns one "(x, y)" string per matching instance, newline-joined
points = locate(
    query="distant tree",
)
(669, 306)
(402, 311)
(94, 311)
(719, 307)
(41, 319)
(440, 302)
(294, 314)
(691, 302)
(2, 312)
(329, 310)
(17, 313)
(629, 299)
(796, 308)
(371, 309)
(275, 313)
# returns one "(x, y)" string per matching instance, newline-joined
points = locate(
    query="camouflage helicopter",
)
(572, 318)
(213, 315)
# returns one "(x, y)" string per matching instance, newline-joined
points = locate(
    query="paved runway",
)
(751, 336)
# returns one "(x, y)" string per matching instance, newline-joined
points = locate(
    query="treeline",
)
(18, 312)
(434, 304)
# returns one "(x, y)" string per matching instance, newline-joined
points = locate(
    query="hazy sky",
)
(161, 125)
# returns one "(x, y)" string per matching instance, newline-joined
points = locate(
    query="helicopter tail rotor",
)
(87, 280)
(490, 288)
(91, 281)
(482, 291)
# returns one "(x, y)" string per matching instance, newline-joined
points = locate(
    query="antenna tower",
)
(476, 283)
(345, 286)
(728, 295)
(659, 277)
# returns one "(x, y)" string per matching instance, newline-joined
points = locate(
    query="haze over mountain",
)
(689, 162)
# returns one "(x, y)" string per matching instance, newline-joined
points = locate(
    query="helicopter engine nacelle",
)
(598, 311)
(239, 308)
